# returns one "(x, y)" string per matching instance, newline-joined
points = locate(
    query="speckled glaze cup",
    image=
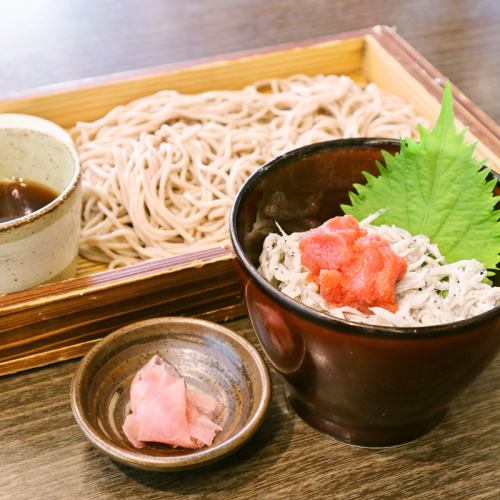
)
(43, 246)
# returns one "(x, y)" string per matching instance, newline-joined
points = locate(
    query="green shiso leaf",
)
(437, 188)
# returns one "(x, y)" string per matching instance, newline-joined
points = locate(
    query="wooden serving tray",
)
(63, 320)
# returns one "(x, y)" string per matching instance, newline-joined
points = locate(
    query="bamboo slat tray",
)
(62, 320)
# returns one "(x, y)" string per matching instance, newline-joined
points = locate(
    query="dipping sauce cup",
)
(41, 246)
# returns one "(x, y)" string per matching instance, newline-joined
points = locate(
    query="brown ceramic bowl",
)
(365, 385)
(210, 357)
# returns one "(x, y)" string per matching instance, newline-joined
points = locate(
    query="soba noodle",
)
(432, 292)
(160, 173)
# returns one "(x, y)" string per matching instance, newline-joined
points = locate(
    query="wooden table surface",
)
(43, 452)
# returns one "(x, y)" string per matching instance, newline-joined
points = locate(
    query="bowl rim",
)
(71, 186)
(198, 457)
(306, 312)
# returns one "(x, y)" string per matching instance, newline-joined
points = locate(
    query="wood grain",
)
(82, 39)
(37, 325)
(92, 98)
(422, 84)
(44, 453)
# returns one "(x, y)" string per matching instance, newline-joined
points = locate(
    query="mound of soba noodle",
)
(432, 292)
(160, 173)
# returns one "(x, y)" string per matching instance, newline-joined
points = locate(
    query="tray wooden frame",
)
(63, 320)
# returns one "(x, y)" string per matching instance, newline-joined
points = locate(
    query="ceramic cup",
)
(43, 246)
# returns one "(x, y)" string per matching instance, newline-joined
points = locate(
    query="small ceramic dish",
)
(210, 357)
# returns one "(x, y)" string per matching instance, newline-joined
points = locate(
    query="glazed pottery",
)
(42, 246)
(365, 385)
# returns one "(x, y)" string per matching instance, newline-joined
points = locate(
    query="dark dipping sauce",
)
(20, 197)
